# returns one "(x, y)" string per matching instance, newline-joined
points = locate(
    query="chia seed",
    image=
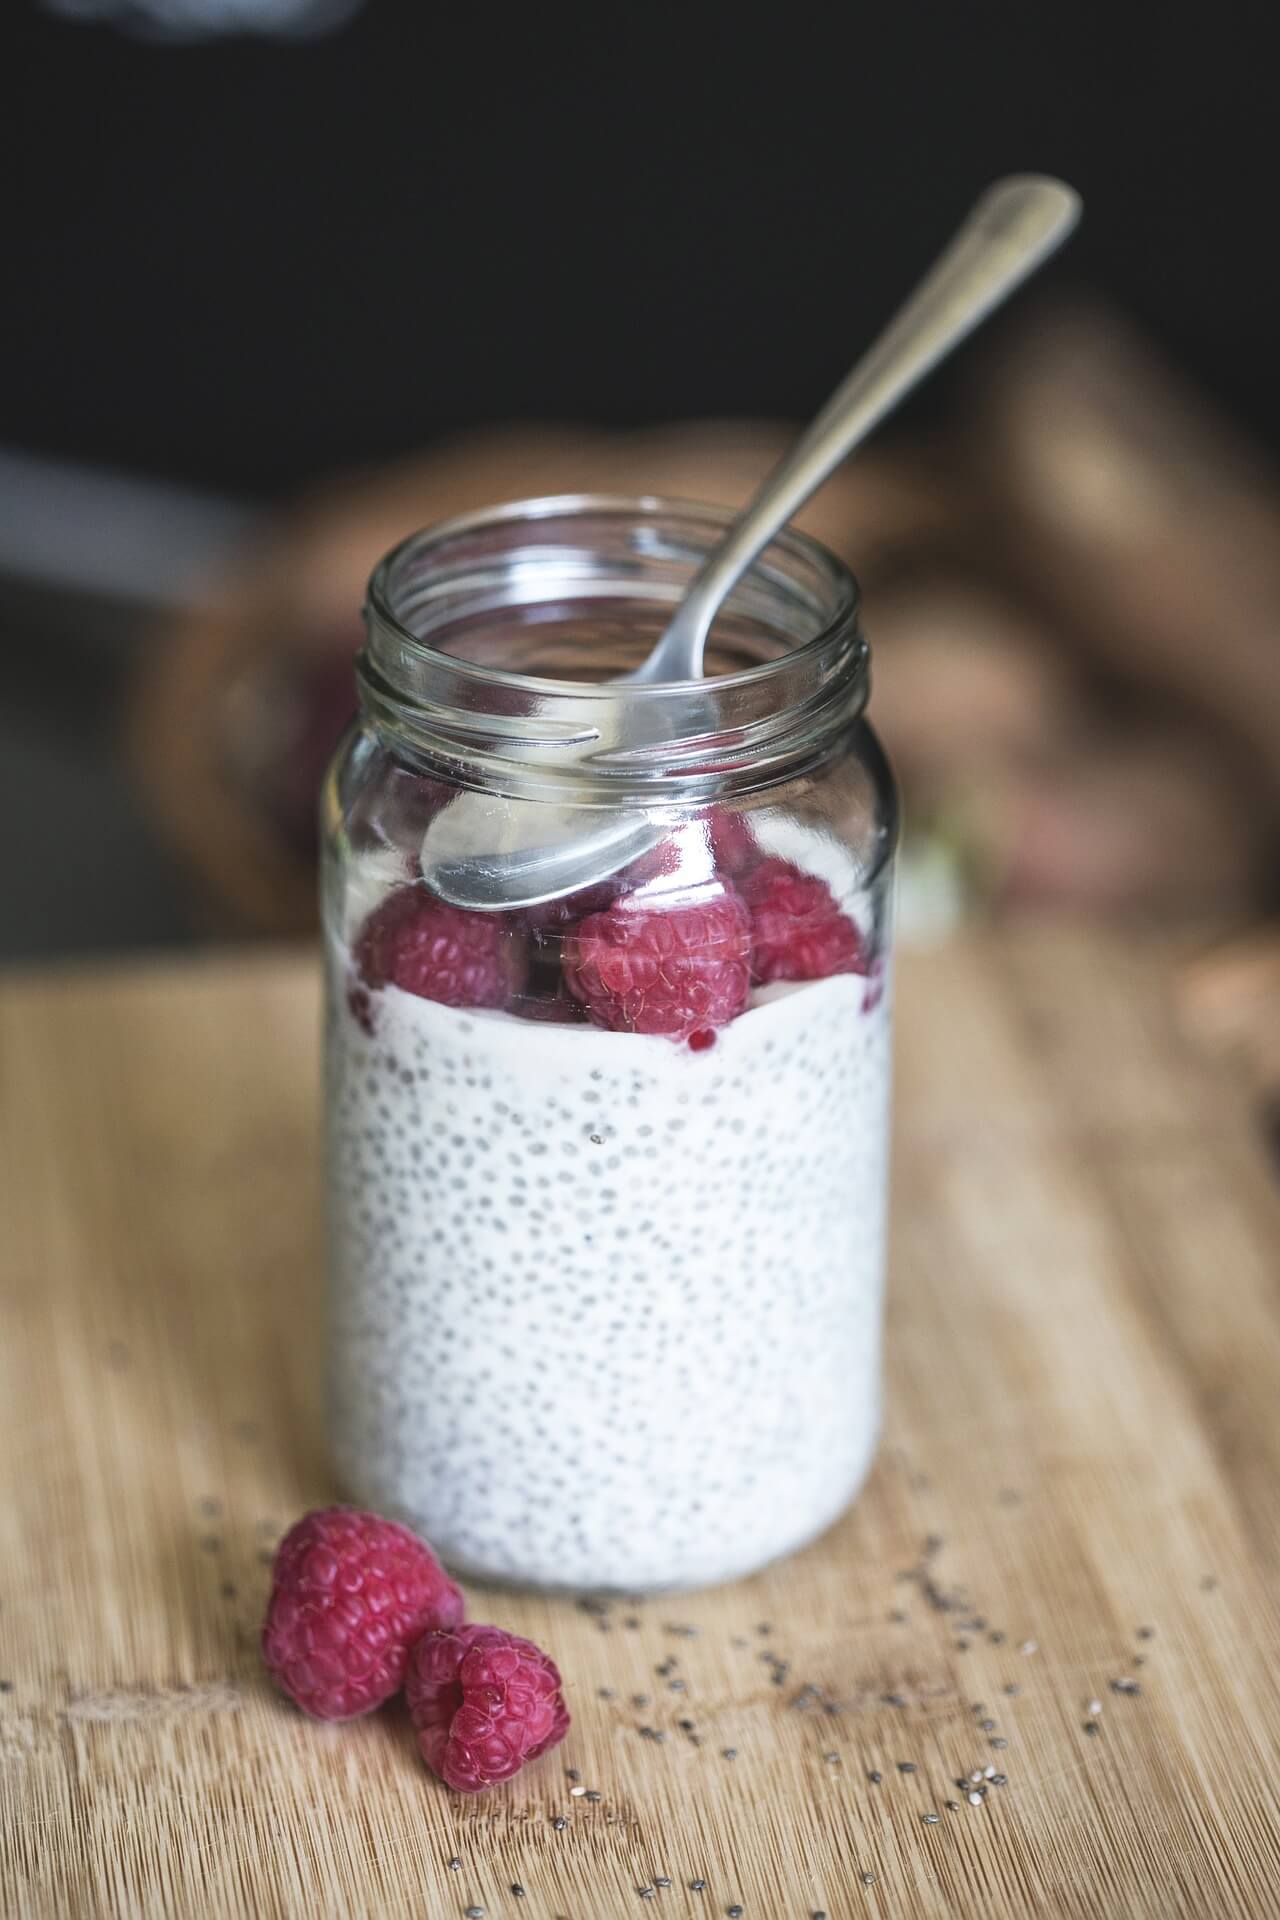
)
(455, 1865)
(875, 1778)
(697, 1886)
(1001, 1744)
(906, 1766)
(729, 1753)
(930, 1819)
(560, 1823)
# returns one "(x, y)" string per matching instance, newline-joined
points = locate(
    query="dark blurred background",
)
(285, 278)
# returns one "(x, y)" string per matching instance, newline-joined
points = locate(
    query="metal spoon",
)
(479, 855)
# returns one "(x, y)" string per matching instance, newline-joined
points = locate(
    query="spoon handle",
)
(1014, 226)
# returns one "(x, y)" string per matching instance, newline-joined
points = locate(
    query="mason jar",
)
(607, 1173)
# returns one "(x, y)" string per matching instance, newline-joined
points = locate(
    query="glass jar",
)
(607, 1175)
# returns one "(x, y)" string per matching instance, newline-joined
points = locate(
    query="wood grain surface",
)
(1079, 1486)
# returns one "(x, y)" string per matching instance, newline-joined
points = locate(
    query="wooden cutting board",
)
(1078, 1491)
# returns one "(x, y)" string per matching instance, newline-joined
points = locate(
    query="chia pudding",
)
(607, 1173)
(606, 1308)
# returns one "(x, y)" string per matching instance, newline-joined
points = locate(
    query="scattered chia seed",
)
(906, 1766)
(639, 1699)
(1001, 1744)
(265, 1556)
(605, 1693)
(1012, 1689)
(987, 1726)
(999, 1779)
(976, 1775)
(729, 1753)
(560, 1823)
(734, 1913)
(646, 1893)
(868, 1879)
(1146, 1633)
(571, 1773)
(631, 1623)
(1030, 1646)
(765, 1627)
(576, 1793)
(988, 1773)
(475, 1913)
(517, 1891)
(661, 1880)
(681, 1633)
(593, 1798)
(898, 1617)
(831, 1710)
(817, 1914)
(930, 1819)
(738, 1641)
(455, 1865)
(953, 1806)
(1125, 1686)
(697, 1886)
(652, 1733)
(962, 1646)
(875, 1778)
(975, 1799)
(996, 1638)
(933, 1544)
(1094, 1706)
(1208, 1583)
(685, 1726)
(211, 1507)
(832, 1759)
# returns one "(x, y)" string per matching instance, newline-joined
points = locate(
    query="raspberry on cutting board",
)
(350, 1595)
(674, 970)
(484, 1702)
(797, 929)
(423, 945)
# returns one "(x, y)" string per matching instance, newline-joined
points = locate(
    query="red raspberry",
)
(350, 1595)
(732, 841)
(414, 941)
(484, 1702)
(655, 969)
(797, 930)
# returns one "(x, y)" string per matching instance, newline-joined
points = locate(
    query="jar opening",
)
(495, 642)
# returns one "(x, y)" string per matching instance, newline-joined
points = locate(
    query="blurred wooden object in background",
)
(1073, 603)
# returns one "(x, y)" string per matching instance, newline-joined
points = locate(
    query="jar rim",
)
(791, 540)
(607, 739)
